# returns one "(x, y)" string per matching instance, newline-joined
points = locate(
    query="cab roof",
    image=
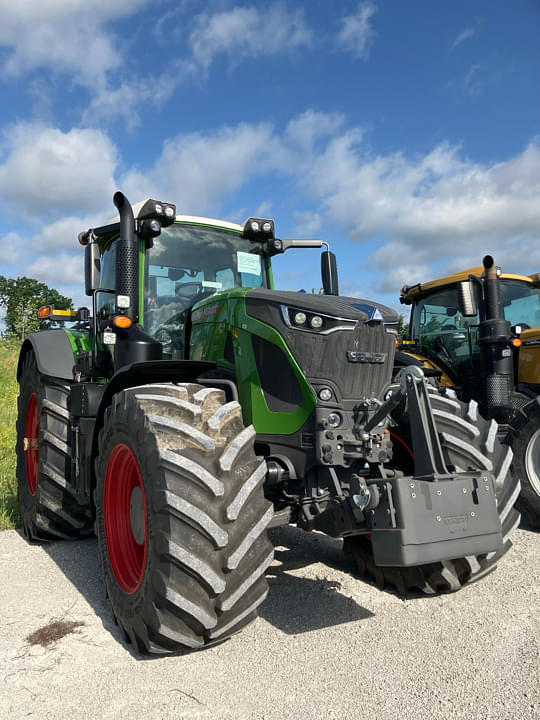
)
(409, 293)
(185, 219)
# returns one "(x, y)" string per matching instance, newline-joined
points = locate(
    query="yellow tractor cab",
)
(478, 332)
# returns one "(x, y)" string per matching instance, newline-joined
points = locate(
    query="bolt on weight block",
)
(436, 520)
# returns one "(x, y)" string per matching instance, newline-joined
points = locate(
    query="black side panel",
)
(86, 398)
(53, 353)
(278, 381)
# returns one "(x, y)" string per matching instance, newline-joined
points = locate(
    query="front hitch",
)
(440, 513)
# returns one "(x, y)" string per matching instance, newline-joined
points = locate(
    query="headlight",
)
(325, 394)
(334, 420)
(309, 321)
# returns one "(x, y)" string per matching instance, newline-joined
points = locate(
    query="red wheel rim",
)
(32, 439)
(126, 518)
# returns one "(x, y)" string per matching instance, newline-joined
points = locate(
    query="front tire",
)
(467, 441)
(524, 439)
(49, 506)
(181, 516)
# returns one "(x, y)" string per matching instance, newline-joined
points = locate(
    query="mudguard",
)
(53, 351)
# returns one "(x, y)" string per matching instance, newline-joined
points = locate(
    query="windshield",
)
(520, 302)
(189, 262)
(438, 324)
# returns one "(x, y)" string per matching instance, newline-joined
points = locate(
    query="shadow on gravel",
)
(299, 604)
(294, 604)
(78, 560)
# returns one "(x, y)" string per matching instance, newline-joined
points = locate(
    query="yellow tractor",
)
(477, 333)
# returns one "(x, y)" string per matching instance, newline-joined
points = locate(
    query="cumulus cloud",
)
(45, 171)
(200, 170)
(356, 34)
(438, 195)
(66, 36)
(430, 207)
(413, 210)
(126, 100)
(247, 32)
(46, 269)
(305, 130)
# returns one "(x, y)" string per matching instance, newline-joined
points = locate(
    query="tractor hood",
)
(334, 308)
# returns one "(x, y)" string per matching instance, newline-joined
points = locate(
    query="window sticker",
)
(248, 263)
(212, 284)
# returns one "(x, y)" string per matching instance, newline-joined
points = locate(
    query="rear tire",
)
(49, 506)
(524, 439)
(181, 516)
(468, 441)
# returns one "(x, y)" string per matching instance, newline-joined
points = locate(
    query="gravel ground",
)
(327, 645)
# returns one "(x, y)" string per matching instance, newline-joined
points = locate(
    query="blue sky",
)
(406, 134)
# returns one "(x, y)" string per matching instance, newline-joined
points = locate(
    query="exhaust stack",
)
(127, 261)
(496, 353)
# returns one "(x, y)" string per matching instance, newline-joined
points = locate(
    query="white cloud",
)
(44, 170)
(465, 34)
(64, 269)
(247, 32)
(11, 246)
(356, 34)
(436, 196)
(66, 36)
(431, 207)
(439, 206)
(126, 100)
(311, 126)
(60, 235)
(198, 170)
(308, 223)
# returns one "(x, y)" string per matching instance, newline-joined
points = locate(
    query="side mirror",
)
(92, 267)
(467, 299)
(329, 273)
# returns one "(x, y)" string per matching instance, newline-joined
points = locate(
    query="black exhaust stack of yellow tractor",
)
(496, 356)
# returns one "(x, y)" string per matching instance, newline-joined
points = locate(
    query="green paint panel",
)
(225, 312)
(81, 341)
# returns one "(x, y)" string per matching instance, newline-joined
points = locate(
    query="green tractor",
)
(195, 406)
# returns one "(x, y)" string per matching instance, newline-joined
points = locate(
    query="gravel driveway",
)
(327, 645)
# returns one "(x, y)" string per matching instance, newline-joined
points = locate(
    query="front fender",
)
(53, 351)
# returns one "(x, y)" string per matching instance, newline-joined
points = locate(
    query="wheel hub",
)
(532, 461)
(31, 444)
(137, 516)
(126, 518)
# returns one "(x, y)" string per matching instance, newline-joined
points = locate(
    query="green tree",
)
(403, 327)
(22, 297)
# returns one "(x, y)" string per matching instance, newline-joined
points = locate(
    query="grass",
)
(9, 389)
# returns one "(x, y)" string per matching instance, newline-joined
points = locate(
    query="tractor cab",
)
(446, 329)
(189, 261)
(148, 268)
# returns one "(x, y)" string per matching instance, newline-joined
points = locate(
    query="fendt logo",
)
(357, 356)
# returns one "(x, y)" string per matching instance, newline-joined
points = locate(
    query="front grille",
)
(324, 357)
